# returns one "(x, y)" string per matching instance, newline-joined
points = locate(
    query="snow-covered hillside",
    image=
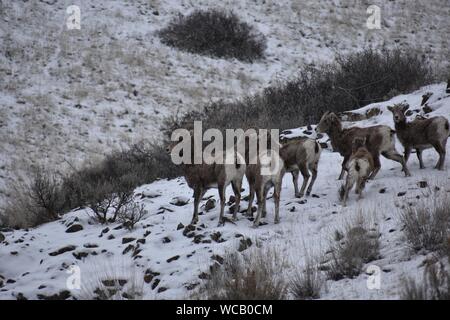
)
(168, 259)
(71, 95)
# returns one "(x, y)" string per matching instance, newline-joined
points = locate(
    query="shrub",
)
(435, 285)
(351, 82)
(358, 247)
(214, 33)
(131, 214)
(34, 202)
(106, 187)
(307, 283)
(427, 225)
(254, 276)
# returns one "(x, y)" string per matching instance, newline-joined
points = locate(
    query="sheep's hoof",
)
(255, 225)
(194, 221)
(221, 223)
(276, 221)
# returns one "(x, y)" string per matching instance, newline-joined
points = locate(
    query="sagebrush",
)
(215, 33)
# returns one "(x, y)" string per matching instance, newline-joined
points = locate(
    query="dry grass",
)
(427, 224)
(255, 275)
(435, 285)
(358, 246)
(306, 283)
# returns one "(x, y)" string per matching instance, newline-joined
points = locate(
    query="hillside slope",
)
(72, 95)
(34, 263)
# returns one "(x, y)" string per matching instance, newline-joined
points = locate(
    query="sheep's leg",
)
(344, 168)
(441, 150)
(260, 199)
(250, 200)
(313, 179)
(221, 188)
(265, 192)
(407, 154)
(295, 181)
(276, 197)
(237, 193)
(395, 156)
(360, 187)
(198, 192)
(348, 186)
(419, 156)
(376, 166)
(305, 173)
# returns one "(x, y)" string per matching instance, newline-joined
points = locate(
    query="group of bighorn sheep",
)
(360, 147)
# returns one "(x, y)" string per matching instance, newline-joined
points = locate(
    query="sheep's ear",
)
(390, 108)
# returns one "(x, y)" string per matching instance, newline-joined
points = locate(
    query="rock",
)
(90, 245)
(147, 233)
(191, 286)
(401, 194)
(173, 259)
(315, 195)
(422, 184)
(155, 283)
(127, 240)
(426, 109)
(217, 258)
(179, 201)
(189, 228)
(198, 238)
(74, 228)
(162, 289)
(80, 255)
(105, 230)
(20, 296)
(382, 190)
(128, 249)
(180, 226)
(110, 237)
(141, 241)
(244, 244)
(149, 275)
(62, 295)
(166, 240)
(204, 276)
(62, 250)
(217, 237)
(2, 237)
(210, 204)
(292, 209)
(14, 253)
(231, 200)
(156, 13)
(425, 98)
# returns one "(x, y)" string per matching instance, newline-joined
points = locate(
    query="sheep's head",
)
(328, 121)
(398, 112)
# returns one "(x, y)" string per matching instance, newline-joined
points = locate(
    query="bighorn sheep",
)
(421, 134)
(379, 139)
(359, 167)
(301, 155)
(262, 173)
(215, 173)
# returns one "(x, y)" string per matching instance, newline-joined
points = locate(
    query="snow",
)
(305, 229)
(67, 96)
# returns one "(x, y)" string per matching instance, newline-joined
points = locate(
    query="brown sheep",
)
(379, 140)
(421, 134)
